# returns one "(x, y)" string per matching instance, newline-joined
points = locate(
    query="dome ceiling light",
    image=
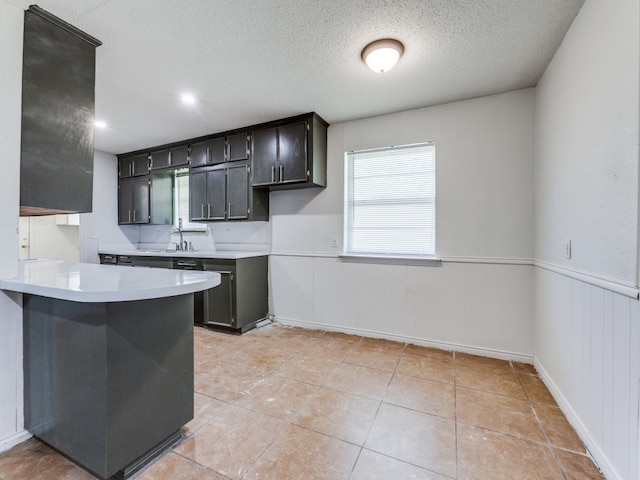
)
(381, 55)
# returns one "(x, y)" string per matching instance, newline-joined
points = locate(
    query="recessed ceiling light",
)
(100, 124)
(381, 55)
(188, 99)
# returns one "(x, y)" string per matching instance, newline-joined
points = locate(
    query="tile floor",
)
(287, 403)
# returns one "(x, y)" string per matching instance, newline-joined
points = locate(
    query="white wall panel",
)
(11, 391)
(587, 144)
(476, 307)
(587, 345)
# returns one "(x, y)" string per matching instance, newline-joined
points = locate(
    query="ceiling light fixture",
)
(188, 99)
(99, 124)
(382, 55)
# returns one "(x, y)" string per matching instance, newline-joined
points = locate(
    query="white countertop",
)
(221, 254)
(88, 282)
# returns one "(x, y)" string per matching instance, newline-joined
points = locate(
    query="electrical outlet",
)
(567, 249)
(334, 241)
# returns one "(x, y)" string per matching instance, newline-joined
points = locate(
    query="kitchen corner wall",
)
(11, 390)
(587, 315)
(480, 299)
(101, 225)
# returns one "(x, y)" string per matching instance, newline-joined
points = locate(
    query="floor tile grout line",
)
(544, 433)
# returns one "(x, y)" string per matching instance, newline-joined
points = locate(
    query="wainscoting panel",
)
(480, 307)
(587, 344)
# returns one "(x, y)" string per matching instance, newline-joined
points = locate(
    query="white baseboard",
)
(592, 445)
(13, 440)
(485, 352)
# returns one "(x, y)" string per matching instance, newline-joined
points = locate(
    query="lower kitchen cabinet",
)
(236, 305)
(242, 298)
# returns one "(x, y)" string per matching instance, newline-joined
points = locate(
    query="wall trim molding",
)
(593, 448)
(623, 288)
(455, 347)
(10, 442)
(484, 260)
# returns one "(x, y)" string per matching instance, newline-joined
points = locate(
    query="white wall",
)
(587, 334)
(11, 391)
(48, 240)
(480, 299)
(101, 225)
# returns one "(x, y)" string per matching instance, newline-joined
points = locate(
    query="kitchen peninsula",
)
(108, 359)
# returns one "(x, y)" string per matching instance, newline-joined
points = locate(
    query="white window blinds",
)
(390, 198)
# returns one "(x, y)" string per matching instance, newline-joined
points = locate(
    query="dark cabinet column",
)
(58, 90)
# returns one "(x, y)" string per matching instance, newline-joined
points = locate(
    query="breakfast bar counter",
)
(108, 359)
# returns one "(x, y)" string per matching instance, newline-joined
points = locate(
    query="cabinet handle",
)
(273, 174)
(207, 158)
(129, 216)
(134, 216)
(202, 210)
(169, 157)
(281, 174)
(131, 169)
(208, 210)
(229, 210)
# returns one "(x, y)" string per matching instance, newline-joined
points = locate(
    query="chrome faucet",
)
(181, 246)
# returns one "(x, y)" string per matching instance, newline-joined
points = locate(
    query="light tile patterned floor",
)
(287, 403)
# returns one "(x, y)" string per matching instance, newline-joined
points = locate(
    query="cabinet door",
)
(140, 201)
(238, 192)
(124, 167)
(140, 164)
(218, 148)
(218, 301)
(292, 142)
(264, 154)
(179, 155)
(200, 154)
(216, 197)
(197, 195)
(125, 203)
(160, 159)
(237, 147)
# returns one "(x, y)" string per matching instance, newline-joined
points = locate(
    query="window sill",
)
(392, 260)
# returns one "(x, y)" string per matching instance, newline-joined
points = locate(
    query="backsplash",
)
(219, 236)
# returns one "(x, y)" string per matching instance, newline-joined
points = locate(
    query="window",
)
(181, 202)
(390, 196)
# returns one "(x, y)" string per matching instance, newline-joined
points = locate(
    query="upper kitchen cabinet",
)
(224, 192)
(290, 153)
(217, 150)
(237, 147)
(58, 95)
(133, 201)
(208, 152)
(133, 165)
(170, 157)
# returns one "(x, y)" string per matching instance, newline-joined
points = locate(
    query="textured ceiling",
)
(250, 61)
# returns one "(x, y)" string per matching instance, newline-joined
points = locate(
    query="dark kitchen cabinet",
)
(133, 201)
(170, 157)
(133, 165)
(237, 147)
(290, 154)
(224, 193)
(242, 298)
(58, 92)
(208, 152)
